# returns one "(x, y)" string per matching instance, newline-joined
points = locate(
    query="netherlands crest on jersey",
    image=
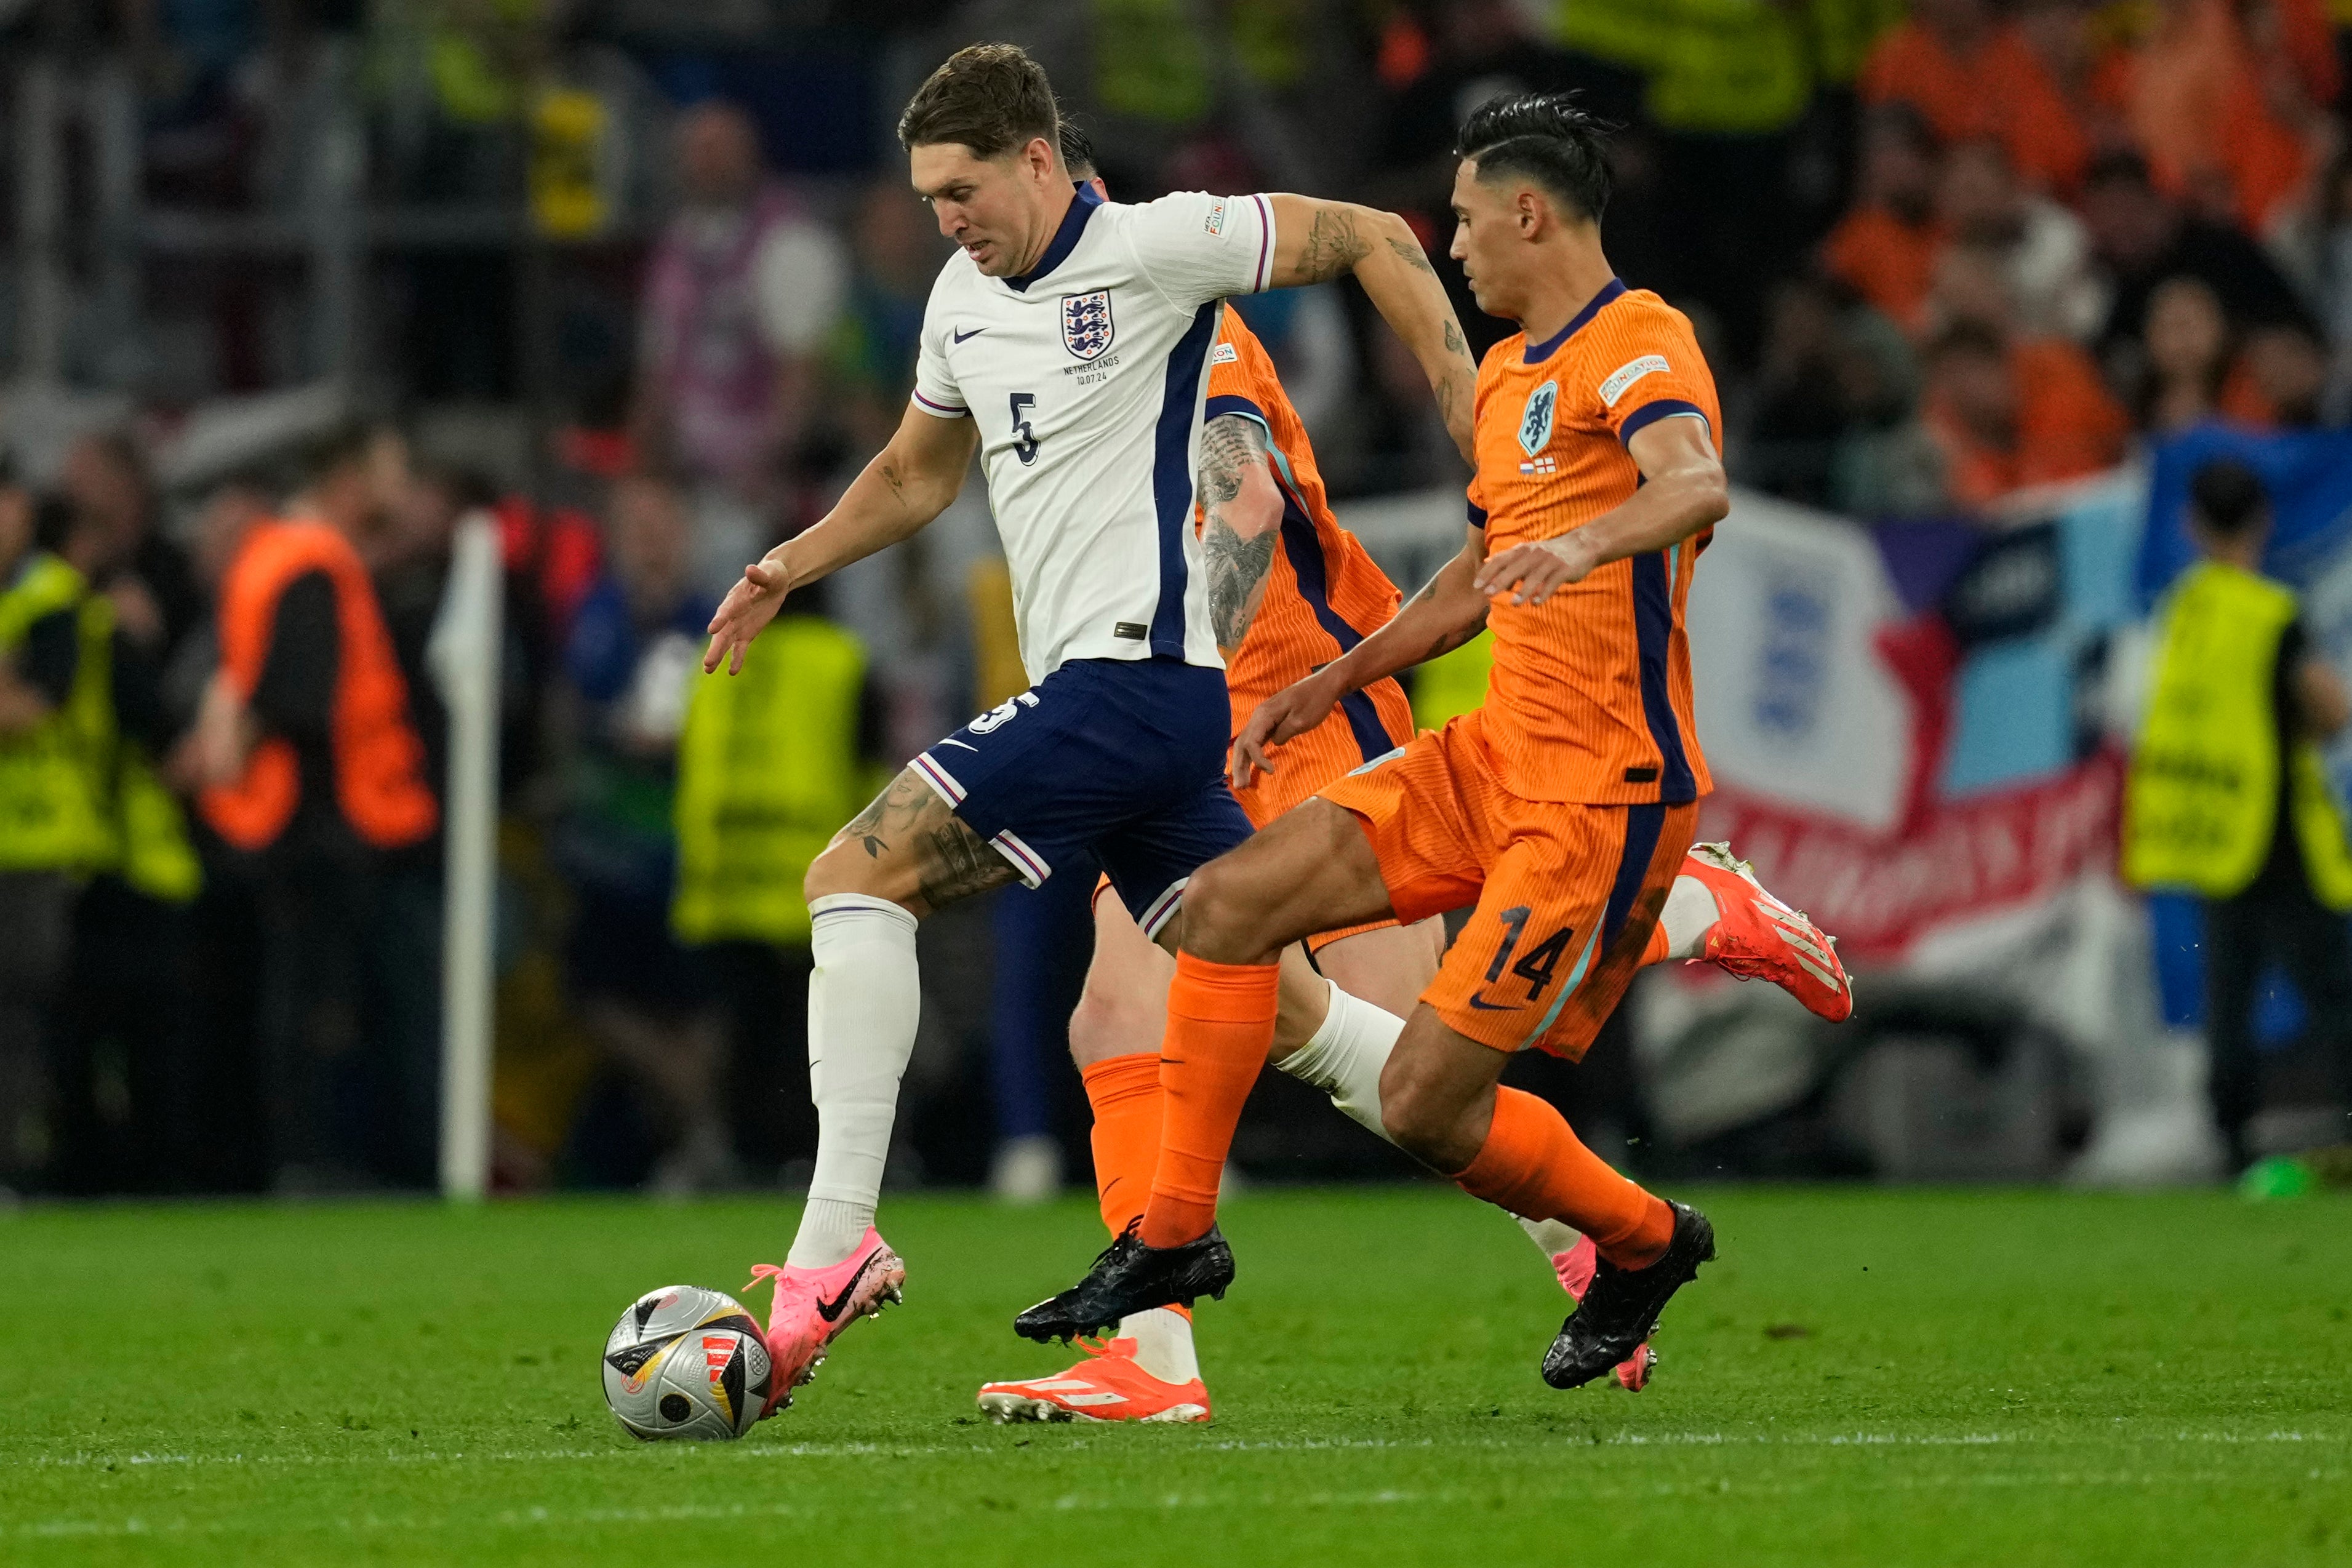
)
(1086, 327)
(1535, 426)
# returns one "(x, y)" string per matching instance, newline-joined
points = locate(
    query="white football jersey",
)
(1087, 377)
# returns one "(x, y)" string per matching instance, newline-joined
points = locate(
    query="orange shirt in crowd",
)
(2002, 91)
(1590, 701)
(2067, 427)
(2192, 93)
(1888, 262)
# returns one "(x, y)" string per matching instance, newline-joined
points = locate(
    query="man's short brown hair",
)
(991, 97)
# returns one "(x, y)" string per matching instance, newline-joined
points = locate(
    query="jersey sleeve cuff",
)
(1649, 414)
(1233, 403)
(1263, 279)
(1478, 515)
(933, 406)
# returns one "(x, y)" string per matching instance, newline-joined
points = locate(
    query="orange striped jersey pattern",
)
(1590, 701)
(1324, 593)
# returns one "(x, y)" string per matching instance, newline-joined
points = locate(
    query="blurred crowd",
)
(1939, 252)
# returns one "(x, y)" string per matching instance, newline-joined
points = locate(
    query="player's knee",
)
(1224, 916)
(1103, 1026)
(1423, 1115)
(842, 869)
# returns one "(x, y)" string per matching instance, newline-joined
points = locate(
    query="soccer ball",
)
(684, 1362)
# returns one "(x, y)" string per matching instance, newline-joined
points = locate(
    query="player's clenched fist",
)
(750, 605)
(1291, 711)
(1530, 573)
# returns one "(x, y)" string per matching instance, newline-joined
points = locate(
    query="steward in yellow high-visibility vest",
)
(53, 742)
(2227, 797)
(769, 766)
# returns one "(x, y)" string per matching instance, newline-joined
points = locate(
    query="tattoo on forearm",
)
(1333, 247)
(1411, 255)
(1454, 343)
(1231, 447)
(1238, 569)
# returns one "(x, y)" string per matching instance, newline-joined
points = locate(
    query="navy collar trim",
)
(1083, 203)
(1535, 353)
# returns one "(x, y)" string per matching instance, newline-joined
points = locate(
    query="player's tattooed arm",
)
(1443, 615)
(1315, 241)
(1243, 521)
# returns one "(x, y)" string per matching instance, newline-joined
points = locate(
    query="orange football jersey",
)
(1590, 701)
(1324, 593)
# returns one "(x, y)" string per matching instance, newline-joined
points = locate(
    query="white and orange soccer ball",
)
(684, 1362)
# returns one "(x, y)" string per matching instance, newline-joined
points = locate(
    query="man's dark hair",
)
(2119, 166)
(991, 97)
(1078, 151)
(332, 451)
(1965, 338)
(2227, 497)
(1545, 138)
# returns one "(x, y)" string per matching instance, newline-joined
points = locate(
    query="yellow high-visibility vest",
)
(768, 770)
(52, 818)
(2202, 798)
(1453, 683)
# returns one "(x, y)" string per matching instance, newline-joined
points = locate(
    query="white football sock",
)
(1551, 1237)
(864, 998)
(1690, 913)
(1163, 1343)
(1344, 1057)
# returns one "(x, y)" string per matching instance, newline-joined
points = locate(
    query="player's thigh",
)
(1310, 870)
(911, 847)
(1389, 965)
(1558, 929)
(1124, 1007)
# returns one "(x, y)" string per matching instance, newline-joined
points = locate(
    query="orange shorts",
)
(1327, 752)
(1566, 894)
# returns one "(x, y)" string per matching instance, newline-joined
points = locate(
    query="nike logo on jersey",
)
(968, 746)
(973, 333)
(1483, 1005)
(831, 1310)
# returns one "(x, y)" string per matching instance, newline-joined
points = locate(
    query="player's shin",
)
(1344, 1057)
(864, 1003)
(1533, 1165)
(1220, 1029)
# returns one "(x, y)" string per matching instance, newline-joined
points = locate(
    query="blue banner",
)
(2308, 474)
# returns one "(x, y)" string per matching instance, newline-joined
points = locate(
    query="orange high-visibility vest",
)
(379, 760)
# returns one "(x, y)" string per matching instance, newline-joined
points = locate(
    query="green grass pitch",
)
(1865, 1377)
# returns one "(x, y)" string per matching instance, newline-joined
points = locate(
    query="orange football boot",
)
(1106, 1386)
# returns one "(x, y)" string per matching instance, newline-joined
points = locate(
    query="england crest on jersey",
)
(1086, 327)
(1535, 427)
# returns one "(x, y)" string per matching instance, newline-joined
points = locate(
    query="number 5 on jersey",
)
(1024, 439)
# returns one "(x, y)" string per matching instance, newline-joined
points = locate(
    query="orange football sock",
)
(1220, 1028)
(1658, 948)
(1125, 1094)
(1533, 1165)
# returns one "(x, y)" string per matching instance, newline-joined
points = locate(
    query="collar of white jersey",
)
(1083, 202)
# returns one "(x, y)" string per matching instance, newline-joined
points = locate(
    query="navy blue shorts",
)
(1113, 762)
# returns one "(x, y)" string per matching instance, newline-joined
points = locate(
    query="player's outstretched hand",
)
(1292, 710)
(750, 605)
(1530, 573)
